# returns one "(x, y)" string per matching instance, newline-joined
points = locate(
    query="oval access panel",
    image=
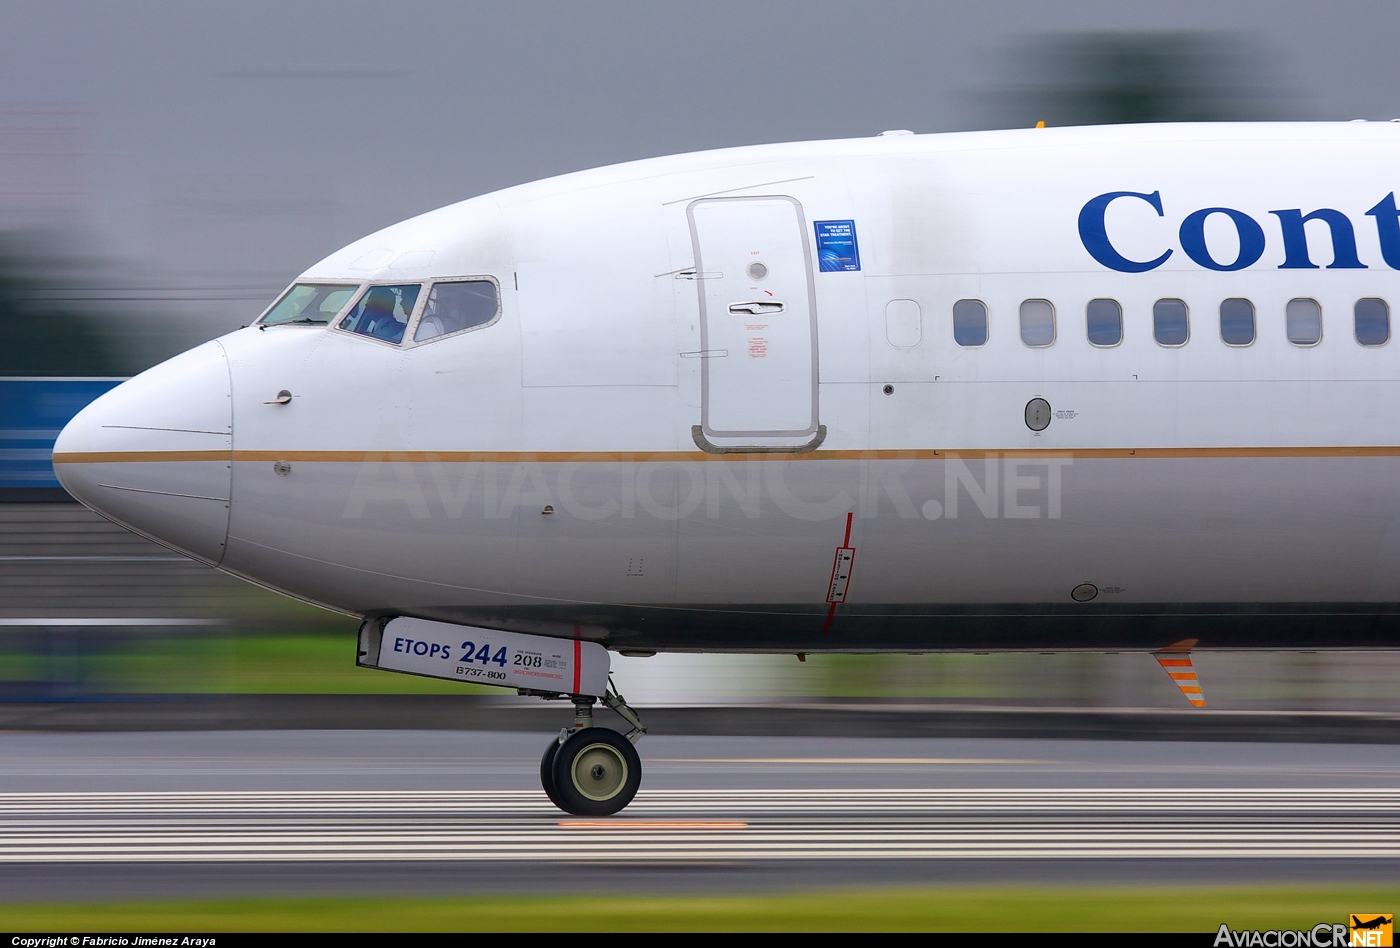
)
(1037, 414)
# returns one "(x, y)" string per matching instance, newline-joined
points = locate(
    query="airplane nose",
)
(155, 453)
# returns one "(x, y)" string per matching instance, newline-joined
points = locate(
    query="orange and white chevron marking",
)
(1175, 660)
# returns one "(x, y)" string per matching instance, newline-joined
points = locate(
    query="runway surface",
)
(96, 815)
(687, 826)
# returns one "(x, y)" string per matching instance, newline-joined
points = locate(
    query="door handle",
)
(758, 308)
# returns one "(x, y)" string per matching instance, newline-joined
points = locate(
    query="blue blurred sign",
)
(32, 413)
(836, 246)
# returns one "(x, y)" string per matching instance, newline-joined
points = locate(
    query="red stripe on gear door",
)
(578, 664)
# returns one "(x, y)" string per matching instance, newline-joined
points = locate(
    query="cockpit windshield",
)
(383, 312)
(309, 304)
(457, 306)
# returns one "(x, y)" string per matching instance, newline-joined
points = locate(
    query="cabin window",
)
(1171, 323)
(1372, 322)
(456, 307)
(1304, 321)
(383, 312)
(309, 304)
(970, 323)
(1104, 320)
(1037, 323)
(1237, 322)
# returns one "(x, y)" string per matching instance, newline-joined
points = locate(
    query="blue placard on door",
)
(836, 246)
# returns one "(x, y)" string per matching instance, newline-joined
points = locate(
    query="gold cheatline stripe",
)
(560, 457)
(119, 457)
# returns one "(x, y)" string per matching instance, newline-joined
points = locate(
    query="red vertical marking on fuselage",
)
(837, 589)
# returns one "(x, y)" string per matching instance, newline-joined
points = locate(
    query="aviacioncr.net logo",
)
(1321, 935)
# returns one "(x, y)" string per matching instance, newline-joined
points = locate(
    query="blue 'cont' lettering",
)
(1093, 234)
(1387, 217)
(1193, 238)
(1295, 239)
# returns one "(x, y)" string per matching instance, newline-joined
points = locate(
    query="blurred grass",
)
(322, 662)
(293, 664)
(1074, 678)
(247, 664)
(956, 909)
(294, 657)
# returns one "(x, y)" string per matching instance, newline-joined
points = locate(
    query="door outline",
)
(703, 430)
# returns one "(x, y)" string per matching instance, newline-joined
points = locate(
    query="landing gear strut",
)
(593, 771)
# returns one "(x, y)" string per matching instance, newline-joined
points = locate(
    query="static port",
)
(1037, 414)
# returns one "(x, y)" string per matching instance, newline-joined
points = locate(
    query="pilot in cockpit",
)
(431, 324)
(378, 319)
(455, 306)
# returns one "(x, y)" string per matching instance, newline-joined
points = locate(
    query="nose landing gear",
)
(593, 771)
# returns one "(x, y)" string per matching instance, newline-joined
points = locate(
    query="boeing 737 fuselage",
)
(1089, 388)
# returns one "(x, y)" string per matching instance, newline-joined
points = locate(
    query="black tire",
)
(547, 773)
(596, 772)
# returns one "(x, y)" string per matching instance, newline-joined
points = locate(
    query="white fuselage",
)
(658, 444)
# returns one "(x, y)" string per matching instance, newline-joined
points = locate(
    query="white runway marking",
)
(701, 825)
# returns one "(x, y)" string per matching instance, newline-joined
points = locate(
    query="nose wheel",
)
(547, 774)
(593, 771)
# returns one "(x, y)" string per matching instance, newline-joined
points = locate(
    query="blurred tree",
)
(1114, 78)
(42, 332)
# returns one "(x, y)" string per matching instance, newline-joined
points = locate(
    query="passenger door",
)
(758, 326)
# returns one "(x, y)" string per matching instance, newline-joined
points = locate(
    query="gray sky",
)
(231, 144)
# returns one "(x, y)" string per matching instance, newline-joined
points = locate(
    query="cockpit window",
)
(383, 312)
(456, 307)
(310, 304)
